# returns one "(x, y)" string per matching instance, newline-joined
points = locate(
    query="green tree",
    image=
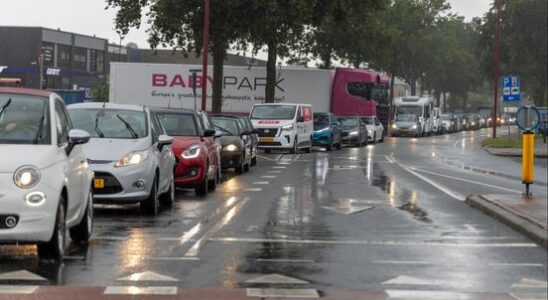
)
(523, 45)
(99, 91)
(179, 24)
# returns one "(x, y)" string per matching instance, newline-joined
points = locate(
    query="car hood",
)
(183, 142)
(405, 124)
(113, 149)
(350, 128)
(14, 156)
(228, 139)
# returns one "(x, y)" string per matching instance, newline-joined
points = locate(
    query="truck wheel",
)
(82, 232)
(168, 198)
(150, 205)
(55, 247)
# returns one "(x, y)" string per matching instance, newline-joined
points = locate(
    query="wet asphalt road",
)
(384, 218)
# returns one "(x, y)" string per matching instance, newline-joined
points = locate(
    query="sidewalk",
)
(525, 214)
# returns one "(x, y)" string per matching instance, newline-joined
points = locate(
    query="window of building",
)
(80, 58)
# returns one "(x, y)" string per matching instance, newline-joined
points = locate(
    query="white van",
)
(283, 126)
(420, 106)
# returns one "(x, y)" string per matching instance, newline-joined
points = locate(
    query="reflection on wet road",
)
(348, 219)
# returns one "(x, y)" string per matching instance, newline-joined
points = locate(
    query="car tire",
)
(374, 138)
(54, 249)
(359, 144)
(81, 233)
(167, 199)
(241, 168)
(150, 205)
(382, 138)
(203, 189)
(295, 148)
(254, 161)
(247, 167)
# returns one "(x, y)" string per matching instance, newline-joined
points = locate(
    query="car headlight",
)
(287, 127)
(394, 126)
(473, 123)
(192, 152)
(26, 177)
(231, 148)
(132, 158)
(414, 126)
(353, 133)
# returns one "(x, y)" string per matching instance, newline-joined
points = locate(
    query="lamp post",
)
(205, 47)
(496, 72)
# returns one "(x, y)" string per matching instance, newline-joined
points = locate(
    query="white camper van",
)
(283, 126)
(421, 106)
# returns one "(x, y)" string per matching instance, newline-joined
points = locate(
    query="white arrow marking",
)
(282, 293)
(21, 275)
(530, 283)
(423, 295)
(277, 278)
(146, 276)
(17, 289)
(135, 290)
(407, 280)
(348, 210)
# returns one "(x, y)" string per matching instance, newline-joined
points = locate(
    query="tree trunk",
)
(438, 99)
(219, 51)
(464, 103)
(270, 89)
(325, 57)
(444, 102)
(413, 83)
(391, 103)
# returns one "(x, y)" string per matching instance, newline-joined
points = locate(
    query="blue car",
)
(327, 131)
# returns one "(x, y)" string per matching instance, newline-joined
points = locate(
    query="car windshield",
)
(274, 112)
(349, 121)
(24, 120)
(226, 125)
(445, 117)
(178, 124)
(406, 118)
(110, 123)
(368, 120)
(409, 110)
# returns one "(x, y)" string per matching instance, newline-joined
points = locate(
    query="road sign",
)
(511, 90)
(528, 118)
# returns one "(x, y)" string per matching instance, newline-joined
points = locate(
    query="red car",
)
(194, 146)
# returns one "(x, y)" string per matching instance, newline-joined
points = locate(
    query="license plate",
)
(99, 183)
(266, 139)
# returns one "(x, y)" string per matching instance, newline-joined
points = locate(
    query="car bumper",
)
(190, 172)
(351, 139)
(231, 159)
(284, 141)
(34, 224)
(321, 139)
(405, 132)
(122, 183)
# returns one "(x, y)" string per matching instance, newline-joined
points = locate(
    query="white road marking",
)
(172, 258)
(265, 158)
(279, 167)
(17, 289)
(402, 262)
(282, 260)
(433, 183)
(277, 278)
(375, 243)
(147, 276)
(529, 296)
(282, 293)
(261, 182)
(135, 290)
(389, 159)
(348, 210)
(468, 181)
(213, 230)
(426, 295)
(407, 280)
(278, 157)
(268, 176)
(530, 283)
(514, 265)
(21, 275)
(253, 189)
(274, 172)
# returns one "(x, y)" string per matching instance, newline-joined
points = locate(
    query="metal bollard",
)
(527, 160)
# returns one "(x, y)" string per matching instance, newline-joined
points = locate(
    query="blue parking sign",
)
(511, 90)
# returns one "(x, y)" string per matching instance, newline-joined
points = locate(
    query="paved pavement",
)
(387, 221)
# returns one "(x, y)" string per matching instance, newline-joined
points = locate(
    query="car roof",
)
(303, 104)
(25, 91)
(173, 110)
(107, 105)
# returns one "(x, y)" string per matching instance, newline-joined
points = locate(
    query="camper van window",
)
(358, 89)
(409, 110)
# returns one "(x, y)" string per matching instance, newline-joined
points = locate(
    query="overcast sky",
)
(90, 17)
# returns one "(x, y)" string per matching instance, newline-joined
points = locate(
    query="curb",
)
(501, 152)
(519, 223)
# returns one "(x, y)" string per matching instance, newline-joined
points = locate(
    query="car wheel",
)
(203, 188)
(360, 142)
(168, 198)
(374, 138)
(247, 167)
(55, 247)
(81, 233)
(150, 205)
(254, 161)
(241, 168)
(382, 137)
(295, 148)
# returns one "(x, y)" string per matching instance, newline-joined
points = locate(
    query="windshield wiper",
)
(134, 134)
(40, 130)
(99, 132)
(4, 107)
(222, 129)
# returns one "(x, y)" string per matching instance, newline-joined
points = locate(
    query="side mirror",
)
(209, 133)
(300, 119)
(76, 137)
(164, 140)
(245, 132)
(255, 131)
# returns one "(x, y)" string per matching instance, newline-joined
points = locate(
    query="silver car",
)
(130, 154)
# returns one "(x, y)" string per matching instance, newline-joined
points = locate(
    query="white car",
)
(375, 129)
(130, 154)
(45, 180)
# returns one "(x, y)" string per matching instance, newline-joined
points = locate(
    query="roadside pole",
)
(496, 72)
(205, 53)
(528, 120)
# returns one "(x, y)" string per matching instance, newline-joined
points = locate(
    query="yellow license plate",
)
(266, 139)
(99, 183)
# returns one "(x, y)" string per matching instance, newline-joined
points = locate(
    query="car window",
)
(368, 120)
(227, 125)
(110, 123)
(157, 129)
(24, 119)
(307, 113)
(62, 123)
(177, 124)
(274, 112)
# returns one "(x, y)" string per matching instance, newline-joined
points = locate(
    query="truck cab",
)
(286, 126)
